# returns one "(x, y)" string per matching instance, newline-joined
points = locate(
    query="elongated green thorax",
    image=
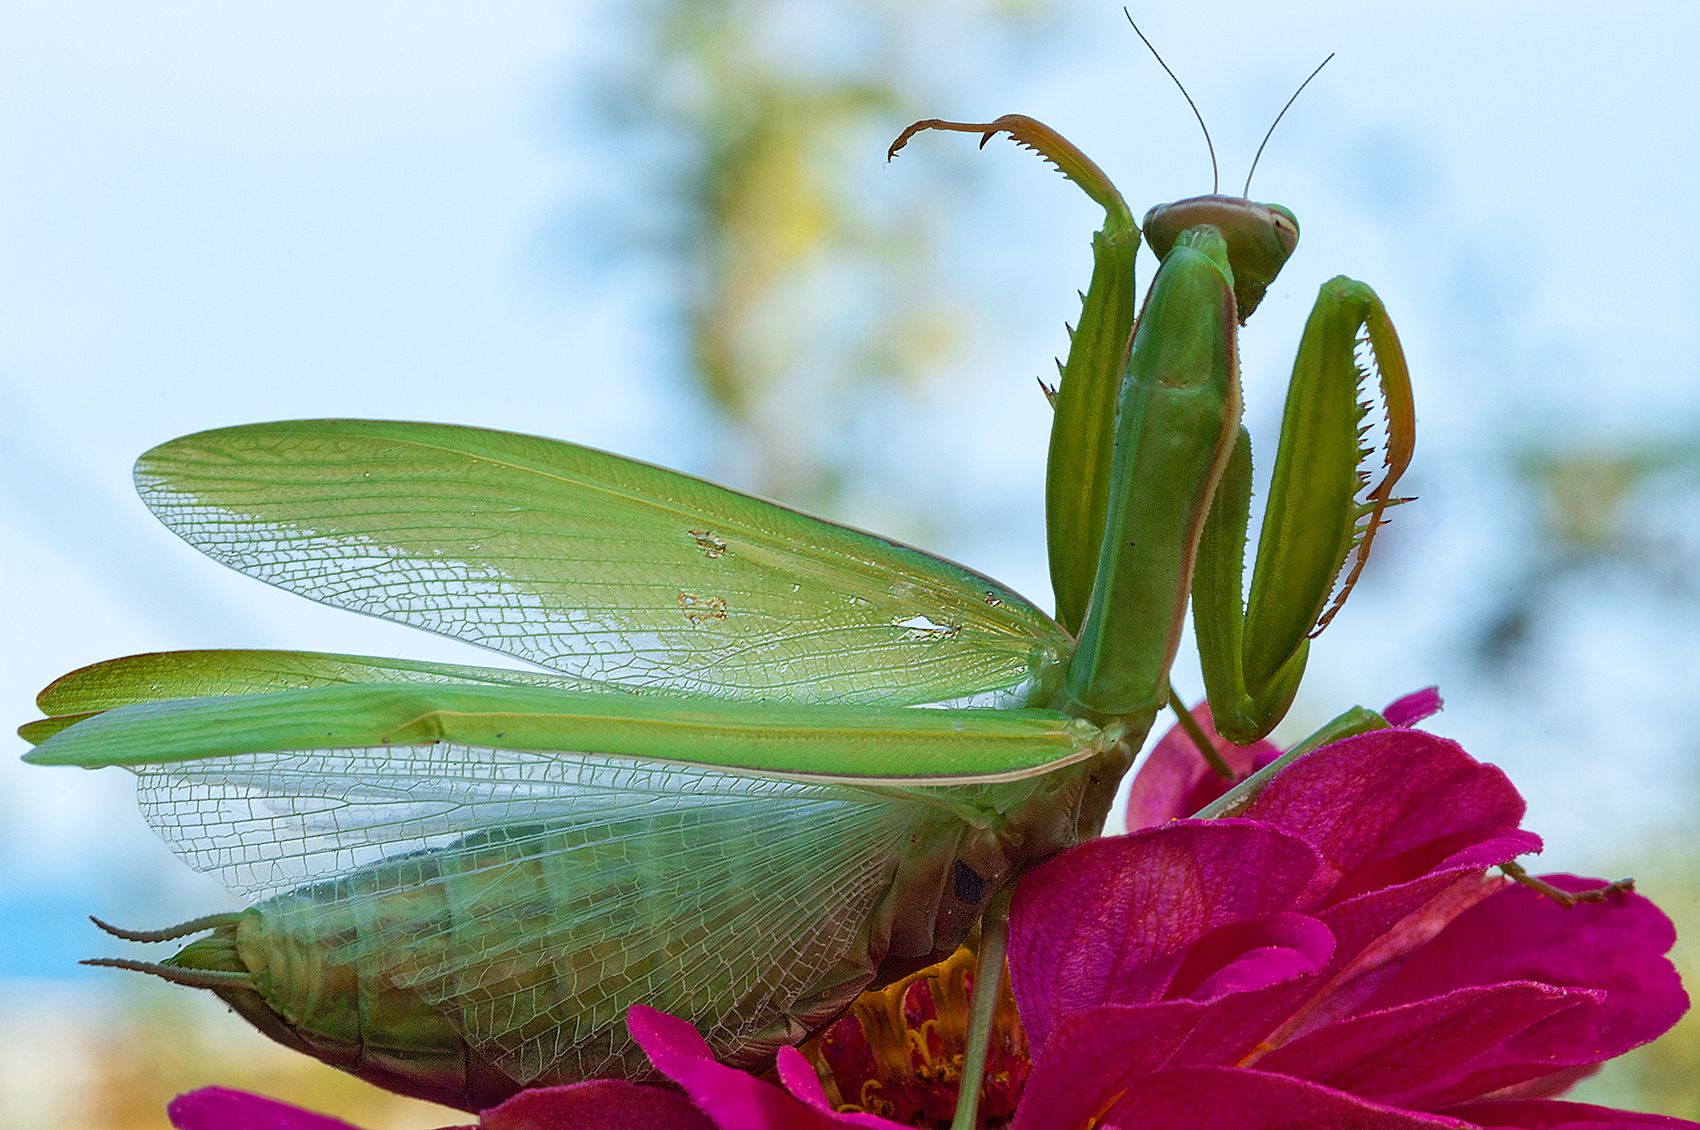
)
(1174, 429)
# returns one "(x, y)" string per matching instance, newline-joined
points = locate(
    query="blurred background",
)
(667, 228)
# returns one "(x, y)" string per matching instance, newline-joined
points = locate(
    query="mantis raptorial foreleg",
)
(1077, 475)
(1319, 520)
(1219, 255)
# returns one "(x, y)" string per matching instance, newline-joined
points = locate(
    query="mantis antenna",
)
(1215, 177)
(1246, 191)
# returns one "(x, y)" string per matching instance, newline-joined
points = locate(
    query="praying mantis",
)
(715, 795)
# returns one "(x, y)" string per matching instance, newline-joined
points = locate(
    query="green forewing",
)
(597, 566)
(160, 675)
(823, 742)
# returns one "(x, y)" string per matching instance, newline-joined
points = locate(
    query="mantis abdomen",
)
(508, 957)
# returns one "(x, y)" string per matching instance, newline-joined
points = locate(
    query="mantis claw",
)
(1394, 383)
(1051, 146)
(1322, 517)
(1077, 477)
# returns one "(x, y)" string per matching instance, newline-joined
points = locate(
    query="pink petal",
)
(219, 1108)
(1114, 921)
(1407, 711)
(733, 1099)
(800, 1079)
(1375, 932)
(1252, 1100)
(798, 1076)
(1616, 949)
(600, 1104)
(1096, 1054)
(1253, 955)
(1547, 1115)
(1408, 1055)
(1394, 805)
(1549, 1086)
(1394, 920)
(1175, 781)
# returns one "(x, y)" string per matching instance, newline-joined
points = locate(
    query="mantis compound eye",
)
(1286, 225)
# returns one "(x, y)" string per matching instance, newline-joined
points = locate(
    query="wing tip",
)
(38, 755)
(39, 730)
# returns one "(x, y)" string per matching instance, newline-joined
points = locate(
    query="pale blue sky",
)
(219, 213)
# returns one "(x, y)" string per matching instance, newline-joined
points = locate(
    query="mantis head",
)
(1260, 238)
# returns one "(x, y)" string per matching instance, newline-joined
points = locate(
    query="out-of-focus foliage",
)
(1623, 517)
(1623, 512)
(793, 295)
(75, 1062)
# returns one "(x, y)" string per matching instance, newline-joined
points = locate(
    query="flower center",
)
(898, 1052)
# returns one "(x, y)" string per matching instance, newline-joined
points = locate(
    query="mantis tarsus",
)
(718, 800)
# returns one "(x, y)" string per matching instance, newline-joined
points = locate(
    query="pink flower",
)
(1333, 956)
(1336, 955)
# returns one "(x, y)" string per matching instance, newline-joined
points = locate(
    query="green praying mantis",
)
(715, 795)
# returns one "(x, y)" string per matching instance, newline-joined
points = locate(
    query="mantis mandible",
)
(716, 796)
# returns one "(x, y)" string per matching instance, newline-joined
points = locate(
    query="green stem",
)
(1206, 747)
(1355, 721)
(988, 983)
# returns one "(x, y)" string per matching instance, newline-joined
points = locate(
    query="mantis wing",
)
(161, 675)
(597, 566)
(533, 895)
(832, 743)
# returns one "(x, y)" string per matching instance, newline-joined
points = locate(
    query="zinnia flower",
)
(1336, 955)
